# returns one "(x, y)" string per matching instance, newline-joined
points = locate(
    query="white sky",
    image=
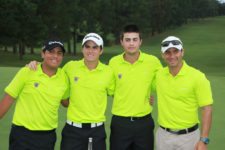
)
(223, 1)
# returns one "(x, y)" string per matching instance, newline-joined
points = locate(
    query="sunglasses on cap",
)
(167, 43)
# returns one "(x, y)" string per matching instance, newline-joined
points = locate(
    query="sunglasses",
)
(167, 43)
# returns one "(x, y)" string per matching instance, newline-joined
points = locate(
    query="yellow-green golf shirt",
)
(133, 84)
(88, 91)
(38, 98)
(180, 96)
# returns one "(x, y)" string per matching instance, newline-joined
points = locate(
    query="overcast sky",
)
(223, 1)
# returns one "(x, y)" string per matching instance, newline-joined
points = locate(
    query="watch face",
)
(204, 140)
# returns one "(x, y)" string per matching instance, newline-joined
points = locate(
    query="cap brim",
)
(92, 39)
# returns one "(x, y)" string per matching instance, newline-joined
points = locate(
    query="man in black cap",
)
(38, 95)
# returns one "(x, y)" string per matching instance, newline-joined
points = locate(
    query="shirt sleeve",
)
(153, 84)
(203, 91)
(111, 87)
(16, 85)
(64, 68)
(67, 92)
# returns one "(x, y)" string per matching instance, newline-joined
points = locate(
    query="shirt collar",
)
(99, 66)
(182, 71)
(40, 71)
(140, 58)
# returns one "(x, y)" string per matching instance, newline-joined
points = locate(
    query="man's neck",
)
(175, 70)
(91, 65)
(48, 71)
(131, 58)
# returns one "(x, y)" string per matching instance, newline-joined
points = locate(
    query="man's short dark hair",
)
(130, 28)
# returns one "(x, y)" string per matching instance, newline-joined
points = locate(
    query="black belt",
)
(134, 118)
(183, 131)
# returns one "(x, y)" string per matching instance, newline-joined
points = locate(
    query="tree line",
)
(25, 24)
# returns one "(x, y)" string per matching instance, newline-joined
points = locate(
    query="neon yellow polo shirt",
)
(37, 97)
(133, 84)
(180, 96)
(88, 91)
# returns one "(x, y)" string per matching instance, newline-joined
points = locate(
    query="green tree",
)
(8, 23)
(21, 25)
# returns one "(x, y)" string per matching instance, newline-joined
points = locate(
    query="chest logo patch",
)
(119, 75)
(76, 79)
(36, 84)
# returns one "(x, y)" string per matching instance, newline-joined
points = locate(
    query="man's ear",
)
(140, 42)
(121, 41)
(101, 51)
(162, 55)
(42, 54)
(182, 52)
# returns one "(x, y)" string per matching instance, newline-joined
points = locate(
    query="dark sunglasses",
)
(167, 43)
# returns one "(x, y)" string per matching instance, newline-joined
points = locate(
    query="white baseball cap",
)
(93, 37)
(171, 42)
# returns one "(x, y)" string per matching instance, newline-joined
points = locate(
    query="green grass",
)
(204, 44)
(217, 132)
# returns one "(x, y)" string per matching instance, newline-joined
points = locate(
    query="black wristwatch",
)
(204, 140)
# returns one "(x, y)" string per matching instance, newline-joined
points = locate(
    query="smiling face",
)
(131, 43)
(173, 57)
(91, 51)
(52, 58)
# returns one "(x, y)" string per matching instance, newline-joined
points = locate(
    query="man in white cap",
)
(181, 90)
(90, 83)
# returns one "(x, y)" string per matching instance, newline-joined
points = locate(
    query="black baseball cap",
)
(50, 44)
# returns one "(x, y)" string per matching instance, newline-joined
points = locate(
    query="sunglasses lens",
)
(167, 43)
(175, 42)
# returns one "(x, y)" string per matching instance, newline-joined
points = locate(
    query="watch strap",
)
(204, 140)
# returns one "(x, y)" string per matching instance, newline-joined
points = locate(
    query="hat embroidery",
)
(76, 79)
(36, 84)
(51, 44)
(119, 75)
(55, 42)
